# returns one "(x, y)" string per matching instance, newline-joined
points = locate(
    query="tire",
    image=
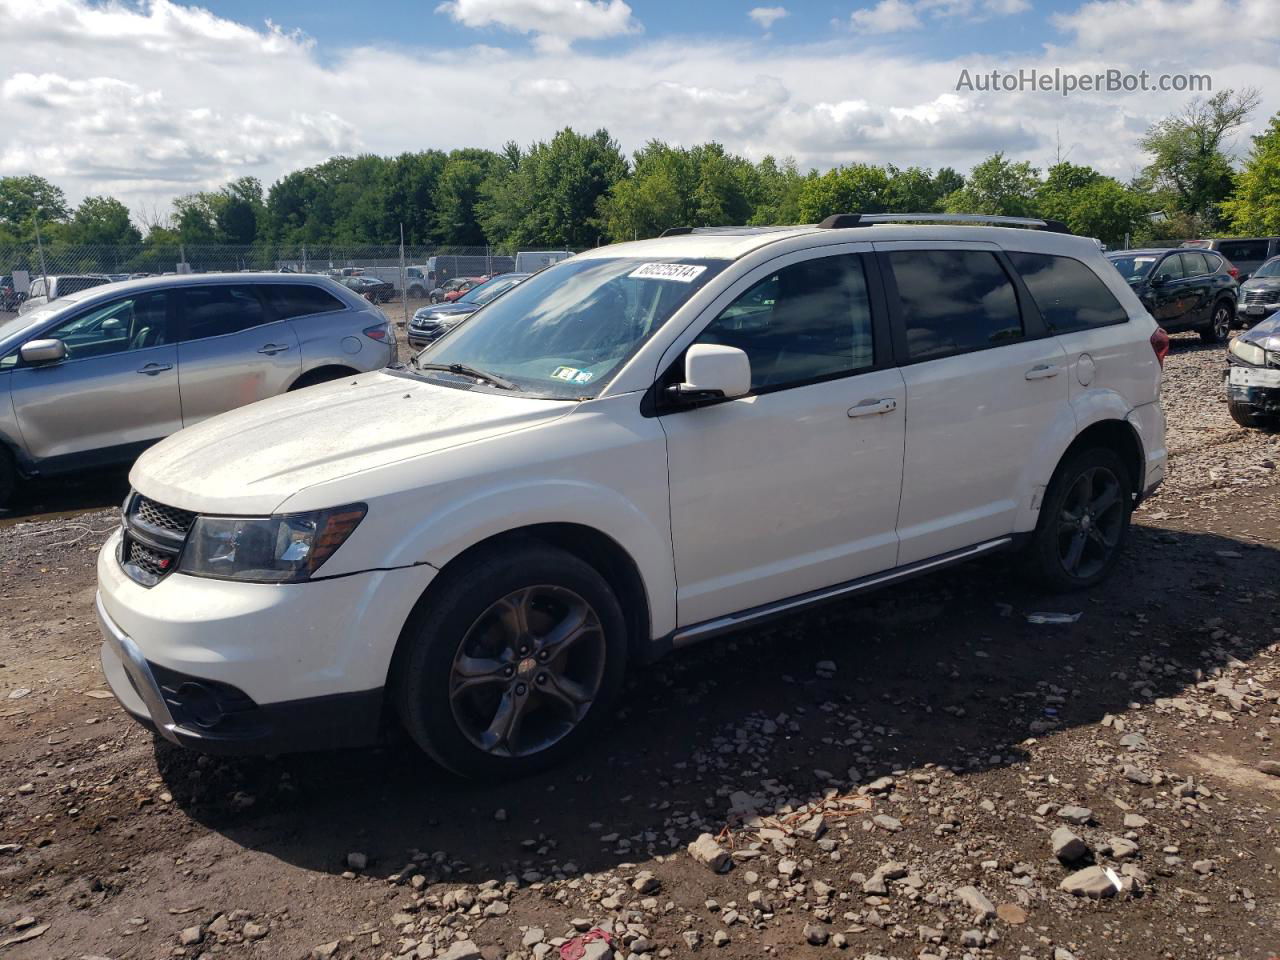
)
(1247, 416)
(477, 682)
(8, 477)
(1085, 517)
(416, 293)
(321, 375)
(1219, 328)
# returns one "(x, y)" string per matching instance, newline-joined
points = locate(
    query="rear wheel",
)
(1219, 328)
(517, 656)
(1083, 520)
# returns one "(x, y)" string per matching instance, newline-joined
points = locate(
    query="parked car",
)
(46, 289)
(1246, 253)
(450, 290)
(1252, 377)
(1182, 289)
(10, 298)
(641, 447)
(98, 375)
(430, 323)
(1260, 294)
(371, 288)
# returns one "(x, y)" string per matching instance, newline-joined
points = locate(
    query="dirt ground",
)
(886, 775)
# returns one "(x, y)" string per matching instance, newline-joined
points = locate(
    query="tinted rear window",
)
(1237, 250)
(954, 301)
(214, 311)
(299, 300)
(1194, 265)
(1070, 295)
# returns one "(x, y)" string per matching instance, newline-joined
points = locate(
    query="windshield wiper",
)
(472, 372)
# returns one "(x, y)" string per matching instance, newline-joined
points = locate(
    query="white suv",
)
(638, 448)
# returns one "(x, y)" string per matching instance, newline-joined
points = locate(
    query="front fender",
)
(481, 514)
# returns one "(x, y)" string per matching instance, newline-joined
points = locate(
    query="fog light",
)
(200, 704)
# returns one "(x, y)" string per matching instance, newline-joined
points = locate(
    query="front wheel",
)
(1219, 328)
(1083, 520)
(1247, 416)
(509, 663)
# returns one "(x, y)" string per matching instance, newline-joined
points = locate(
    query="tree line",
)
(578, 190)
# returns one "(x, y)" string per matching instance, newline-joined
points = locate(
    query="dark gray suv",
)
(96, 376)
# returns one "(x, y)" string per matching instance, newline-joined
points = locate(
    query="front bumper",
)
(1262, 397)
(254, 668)
(1253, 313)
(218, 718)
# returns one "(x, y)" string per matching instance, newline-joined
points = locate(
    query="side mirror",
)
(40, 352)
(1159, 281)
(713, 371)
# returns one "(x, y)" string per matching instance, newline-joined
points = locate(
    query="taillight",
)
(1160, 344)
(1235, 272)
(380, 332)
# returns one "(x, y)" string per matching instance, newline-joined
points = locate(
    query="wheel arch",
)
(594, 547)
(322, 373)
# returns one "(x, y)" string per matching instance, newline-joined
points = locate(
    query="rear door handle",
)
(1043, 371)
(271, 349)
(151, 369)
(869, 408)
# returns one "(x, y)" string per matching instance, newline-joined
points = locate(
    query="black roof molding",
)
(844, 221)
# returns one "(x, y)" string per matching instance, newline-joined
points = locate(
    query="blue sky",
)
(151, 99)
(409, 24)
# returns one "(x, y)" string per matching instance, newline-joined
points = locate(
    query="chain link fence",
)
(425, 267)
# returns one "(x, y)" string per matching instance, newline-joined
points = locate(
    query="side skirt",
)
(752, 616)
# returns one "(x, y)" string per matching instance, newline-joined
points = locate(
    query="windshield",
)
(486, 291)
(1135, 267)
(1269, 269)
(564, 332)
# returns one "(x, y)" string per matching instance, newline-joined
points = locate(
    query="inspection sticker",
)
(679, 272)
(572, 374)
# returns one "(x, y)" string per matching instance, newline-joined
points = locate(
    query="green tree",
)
(997, 187)
(776, 195)
(857, 188)
(102, 220)
(1090, 203)
(1188, 155)
(549, 194)
(1254, 208)
(457, 192)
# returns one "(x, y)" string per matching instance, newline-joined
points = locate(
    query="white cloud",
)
(555, 24)
(767, 16)
(153, 101)
(1160, 28)
(887, 16)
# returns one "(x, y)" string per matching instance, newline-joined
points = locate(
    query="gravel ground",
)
(924, 773)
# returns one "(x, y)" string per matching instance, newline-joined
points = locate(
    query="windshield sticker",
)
(679, 272)
(572, 374)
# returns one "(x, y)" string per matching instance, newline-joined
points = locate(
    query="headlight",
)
(284, 549)
(1249, 352)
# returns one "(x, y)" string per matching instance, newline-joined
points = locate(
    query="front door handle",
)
(271, 349)
(869, 408)
(1043, 371)
(151, 369)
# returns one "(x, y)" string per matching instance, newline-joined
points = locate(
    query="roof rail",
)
(676, 231)
(843, 221)
(730, 231)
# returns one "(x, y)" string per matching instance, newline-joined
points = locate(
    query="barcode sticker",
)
(679, 272)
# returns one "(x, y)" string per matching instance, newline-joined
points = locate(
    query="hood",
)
(446, 311)
(1265, 334)
(1261, 283)
(249, 461)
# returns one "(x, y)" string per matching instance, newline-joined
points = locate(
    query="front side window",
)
(290, 300)
(1170, 268)
(806, 322)
(1070, 295)
(219, 309)
(954, 301)
(131, 323)
(566, 331)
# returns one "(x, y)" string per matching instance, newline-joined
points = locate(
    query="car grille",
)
(158, 515)
(1261, 296)
(153, 537)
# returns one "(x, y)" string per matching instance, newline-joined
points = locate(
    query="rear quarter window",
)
(1070, 295)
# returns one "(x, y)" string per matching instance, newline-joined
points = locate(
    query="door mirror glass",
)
(39, 352)
(714, 371)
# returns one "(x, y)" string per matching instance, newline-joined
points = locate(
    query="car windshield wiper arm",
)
(466, 371)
